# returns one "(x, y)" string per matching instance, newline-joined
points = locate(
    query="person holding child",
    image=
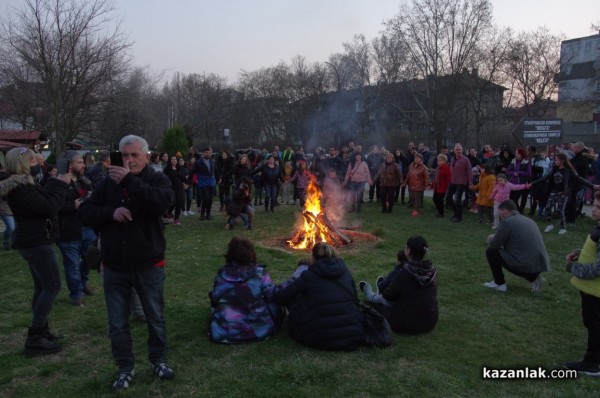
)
(240, 300)
(407, 297)
(323, 303)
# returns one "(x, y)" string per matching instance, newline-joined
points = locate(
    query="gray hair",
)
(130, 139)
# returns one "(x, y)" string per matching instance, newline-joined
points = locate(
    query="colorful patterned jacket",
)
(241, 306)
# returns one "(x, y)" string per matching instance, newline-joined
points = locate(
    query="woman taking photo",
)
(35, 211)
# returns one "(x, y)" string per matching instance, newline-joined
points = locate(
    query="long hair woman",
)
(35, 211)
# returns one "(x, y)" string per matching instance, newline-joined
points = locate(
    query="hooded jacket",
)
(34, 208)
(140, 243)
(413, 293)
(242, 311)
(323, 307)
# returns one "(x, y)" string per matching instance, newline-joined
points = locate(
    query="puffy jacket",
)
(242, 310)
(323, 310)
(34, 208)
(389, 174)
(485, 187)
(140, 243)
(412, 291)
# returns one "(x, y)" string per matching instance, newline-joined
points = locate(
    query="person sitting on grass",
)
(407, 297)
(241, 307)
(323, 304)
(584, 265)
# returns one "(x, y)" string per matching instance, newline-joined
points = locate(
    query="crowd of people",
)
(122, 211)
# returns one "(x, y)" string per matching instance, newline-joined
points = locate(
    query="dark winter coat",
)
(140, 243)
(322, 304)
(70, 226)
(412, 289)
(34, 208)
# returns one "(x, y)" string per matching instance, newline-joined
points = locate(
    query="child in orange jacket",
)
(485, 205)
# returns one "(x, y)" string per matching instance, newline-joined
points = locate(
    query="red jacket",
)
(441, 179)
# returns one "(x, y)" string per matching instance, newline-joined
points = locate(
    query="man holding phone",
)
(126, 209)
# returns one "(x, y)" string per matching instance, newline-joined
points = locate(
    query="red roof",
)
(19, 135)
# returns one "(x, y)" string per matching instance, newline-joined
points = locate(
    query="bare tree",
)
(73, 49)
(533, 62)
(441, 38)
(199, 102)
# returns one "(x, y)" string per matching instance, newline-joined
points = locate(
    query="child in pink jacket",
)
(501, 192)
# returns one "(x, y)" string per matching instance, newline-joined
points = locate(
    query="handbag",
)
(377, 330)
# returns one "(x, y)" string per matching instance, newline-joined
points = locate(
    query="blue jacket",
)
(206, 175)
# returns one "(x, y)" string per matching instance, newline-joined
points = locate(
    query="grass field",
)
(477, 327)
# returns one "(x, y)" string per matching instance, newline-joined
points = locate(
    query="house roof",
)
(20, 135)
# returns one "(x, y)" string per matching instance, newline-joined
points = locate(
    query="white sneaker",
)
(562, 231)
(185, 213)
(549, 228)
(495, 286)
(538, 284)
(191, 213)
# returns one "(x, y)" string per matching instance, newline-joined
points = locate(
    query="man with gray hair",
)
(126, 209)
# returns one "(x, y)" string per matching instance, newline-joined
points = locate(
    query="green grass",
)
(477, 326)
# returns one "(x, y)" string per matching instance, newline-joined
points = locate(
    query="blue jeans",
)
(89, 236)
(149, 284)
(9, 221)
(46, 281)
(270, 196)
(72, 252)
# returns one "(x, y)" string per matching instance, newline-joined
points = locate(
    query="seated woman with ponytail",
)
(407, 297)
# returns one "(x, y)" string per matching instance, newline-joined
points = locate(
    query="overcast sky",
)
(226, 36)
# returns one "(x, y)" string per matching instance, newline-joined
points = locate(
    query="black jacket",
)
(70, 226)
(34, 208)
(413, 292)
(140, 243)
(323, 307)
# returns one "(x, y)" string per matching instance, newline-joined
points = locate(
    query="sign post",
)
(540, 131)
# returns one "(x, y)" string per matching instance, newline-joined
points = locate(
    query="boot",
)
(38, 344)
(50, 335)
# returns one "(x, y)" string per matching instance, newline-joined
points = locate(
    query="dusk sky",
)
(224, 37)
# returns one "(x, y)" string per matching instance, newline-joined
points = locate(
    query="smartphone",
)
(116, 159)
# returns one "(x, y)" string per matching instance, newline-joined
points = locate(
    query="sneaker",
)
(414, 213)
(124, 378)
(227, 226)
(176, 222)
(562, 231)
(185, 213)
(538, 284)
(587, 368)
(191, 213)
(549, 228)
(494, 227)
(163, 371)
(495, 286)
(378, 281)
(366, 288)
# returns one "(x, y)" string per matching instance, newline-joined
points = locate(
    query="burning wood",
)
(316, 227)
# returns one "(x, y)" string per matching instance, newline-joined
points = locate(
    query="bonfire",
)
(315, 225)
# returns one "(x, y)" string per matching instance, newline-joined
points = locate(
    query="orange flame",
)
(313, 230)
